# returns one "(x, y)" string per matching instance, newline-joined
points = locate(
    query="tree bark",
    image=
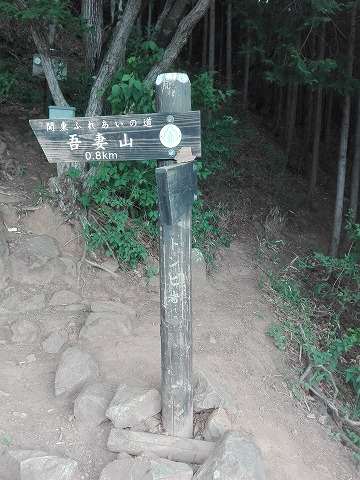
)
(171, 21)
(245, 98)
(212, 38)
(355, 175)
(228, 44)
(318, 122)
(114, 57)
(344, 135)
(179, 39)
(205, 41)
(92, 12)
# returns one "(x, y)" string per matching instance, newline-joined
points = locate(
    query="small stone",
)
(311, 416)
(65, 297)
(323, 419)
(30, 358)
(24, 331)
(212, 339)
(131, 406)
(55, 341)
(102, 306)
(75, 369)
(105, 327)
(111, 265)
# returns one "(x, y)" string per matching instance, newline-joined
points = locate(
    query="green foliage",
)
(205, 96)
(128, 92)
(124, 205)
(122, 196)
(321, 305)
(47, 11)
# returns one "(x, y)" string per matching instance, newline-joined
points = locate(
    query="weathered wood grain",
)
(175, 448)
(115, 138)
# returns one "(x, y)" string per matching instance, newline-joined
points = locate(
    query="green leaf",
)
(5, 439)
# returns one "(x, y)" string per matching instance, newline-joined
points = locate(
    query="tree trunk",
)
(328, 123)
(92, 12)
(279, 110)
(228, 45)
(205, 42)
(171, 21)
(162, 17)
(291, 107)
(317, 127)
(245, 98)
(304, 164)
(212, 38)
(355, 176)
(179, 39)
(344, 134)
(114, 57)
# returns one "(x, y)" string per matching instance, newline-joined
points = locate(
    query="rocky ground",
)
(53, 301)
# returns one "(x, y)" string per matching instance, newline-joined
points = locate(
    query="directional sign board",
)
(117, 138)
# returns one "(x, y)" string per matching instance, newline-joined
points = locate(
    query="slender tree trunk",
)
(92, 12)
(164, 15)
(205, 42)
(171, 21)
(328, 124)
(304, 163)
(279, 111)
(344, 134)
(212, 37)
(355, 176)
(245, 98)
(179, 39)
(318, 122)
(291, 106)
(229, 44)
(149, 21)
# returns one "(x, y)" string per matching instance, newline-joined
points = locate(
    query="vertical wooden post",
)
(173, 94)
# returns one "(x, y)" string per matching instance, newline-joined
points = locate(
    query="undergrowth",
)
(121, 197)
(318, 298)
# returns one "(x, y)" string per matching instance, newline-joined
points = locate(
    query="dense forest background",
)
(292, 63)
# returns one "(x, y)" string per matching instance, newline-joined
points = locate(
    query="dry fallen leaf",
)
(184, 155)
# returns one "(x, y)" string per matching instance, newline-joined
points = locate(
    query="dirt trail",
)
(230, 316)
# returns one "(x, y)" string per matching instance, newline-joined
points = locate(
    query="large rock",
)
(208, 394)
(235, 458)
(75, 369)
(131, 406)
(36, 251)
(105, 328)
(91, 404)
(38, 465)
(35, 260)
(164, 469)
(216, 425)
(124, 469)
(146, 467)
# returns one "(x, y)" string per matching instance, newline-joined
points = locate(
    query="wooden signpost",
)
(171, 136)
